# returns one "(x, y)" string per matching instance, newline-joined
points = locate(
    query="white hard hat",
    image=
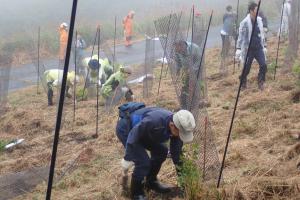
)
(64, 24)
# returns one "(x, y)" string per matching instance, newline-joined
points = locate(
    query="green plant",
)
(271, 67)
(81, 94)
(3, 143)
(296, 71)
(190, 178)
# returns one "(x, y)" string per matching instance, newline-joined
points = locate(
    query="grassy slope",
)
(262, 155)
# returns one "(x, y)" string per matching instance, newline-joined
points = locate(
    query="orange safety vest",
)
(63, 41)
(128, 26)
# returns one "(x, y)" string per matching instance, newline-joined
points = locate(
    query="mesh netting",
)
(148, 67)
(188, 76)
(5, 66)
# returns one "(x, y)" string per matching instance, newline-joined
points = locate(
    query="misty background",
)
(20, 19)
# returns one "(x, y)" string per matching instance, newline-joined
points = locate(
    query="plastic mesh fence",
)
(5, 66)
(188, 77)
(148, 67)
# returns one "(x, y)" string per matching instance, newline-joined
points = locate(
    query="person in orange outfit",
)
(128, 27)
(63, 41)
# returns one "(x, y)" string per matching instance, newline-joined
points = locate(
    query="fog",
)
(17, 16)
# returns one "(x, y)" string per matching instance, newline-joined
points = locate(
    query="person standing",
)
(227, 33)
(63, 41)
(257, 49)
(128, 28)
(286, 13)
(80, 45)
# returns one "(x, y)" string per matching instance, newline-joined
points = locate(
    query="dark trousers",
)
(259, 55)
(143, 163)
(225, 45)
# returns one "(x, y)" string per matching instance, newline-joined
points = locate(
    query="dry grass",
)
(261, 162)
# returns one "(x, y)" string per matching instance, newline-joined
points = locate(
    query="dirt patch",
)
(296, 96)
(293, 152)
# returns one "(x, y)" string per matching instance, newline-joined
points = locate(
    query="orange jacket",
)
(128, 26)
(63, 41)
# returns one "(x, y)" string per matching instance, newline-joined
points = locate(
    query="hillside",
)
(263, 160)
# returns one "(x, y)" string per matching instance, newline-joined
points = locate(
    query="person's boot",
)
(136, 190)
(261, 85)
(154, 184)
(244, 84)
(50, 97)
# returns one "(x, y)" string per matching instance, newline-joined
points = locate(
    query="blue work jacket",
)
(153, 127)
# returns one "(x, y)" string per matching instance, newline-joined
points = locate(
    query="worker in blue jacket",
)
(150, 129)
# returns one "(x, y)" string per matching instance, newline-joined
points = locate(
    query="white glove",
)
(126, 165)
(55, 83)
(266, 30)
(238, 54)
(265, 51)
(124, 89)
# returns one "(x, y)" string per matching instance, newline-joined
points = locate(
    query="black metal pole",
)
(115, 35)
(164, 55)
(97, 116)
(38, 61)
(236, 32)
(202, 56)
(279, 37)
(61, 101)
(237, 99)
(75, 82)
(88, 71)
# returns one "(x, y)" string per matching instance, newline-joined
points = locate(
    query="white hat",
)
(64, 24)
(185, 122)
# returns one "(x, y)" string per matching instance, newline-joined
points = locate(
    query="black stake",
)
(164, 55)
(74, 89)
(202, 56)
(61, 101)
(115, 35)
(97, 116)
(88, 71)
(38, 61)
(237, 98)
(279, 37)
(236, 32)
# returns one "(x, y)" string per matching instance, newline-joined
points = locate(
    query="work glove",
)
(129, 95)
(55, 83)
(126, 165)
(265, 51)
(124, 90)
(238, 54)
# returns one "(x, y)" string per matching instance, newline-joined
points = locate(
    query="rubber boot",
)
(244, 84)
(261, 85)
(50, 97)
(152, 182)
(136, 189)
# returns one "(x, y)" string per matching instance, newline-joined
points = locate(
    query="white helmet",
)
(64, 25)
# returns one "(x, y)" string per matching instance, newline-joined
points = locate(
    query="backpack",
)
(127, 119)
(127, 108)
